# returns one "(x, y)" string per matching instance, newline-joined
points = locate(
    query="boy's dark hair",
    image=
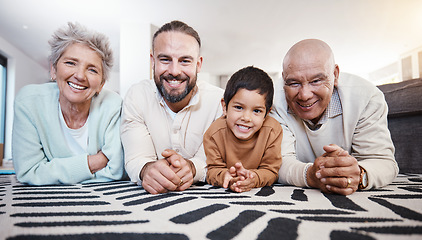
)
(250, 78)
(177, 26)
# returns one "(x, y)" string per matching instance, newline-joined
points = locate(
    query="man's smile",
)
(307, 106)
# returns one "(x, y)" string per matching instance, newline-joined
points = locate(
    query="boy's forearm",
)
(264, 177)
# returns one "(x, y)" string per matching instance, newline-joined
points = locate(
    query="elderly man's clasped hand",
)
(335, 171)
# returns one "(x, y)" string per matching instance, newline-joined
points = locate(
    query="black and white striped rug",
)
(122, 210)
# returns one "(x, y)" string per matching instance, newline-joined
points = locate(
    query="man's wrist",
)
(363, 181)
(192, 167)
(141, 174)
(305, 174)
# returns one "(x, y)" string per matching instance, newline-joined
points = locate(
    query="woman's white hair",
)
(76, 33)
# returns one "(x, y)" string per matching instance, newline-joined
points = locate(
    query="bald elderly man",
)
(335, 135)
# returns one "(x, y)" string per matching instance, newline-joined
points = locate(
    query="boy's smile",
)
(245, 113)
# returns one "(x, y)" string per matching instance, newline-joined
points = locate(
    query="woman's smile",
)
(76, 86)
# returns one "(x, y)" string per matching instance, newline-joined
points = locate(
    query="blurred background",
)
(380, 40)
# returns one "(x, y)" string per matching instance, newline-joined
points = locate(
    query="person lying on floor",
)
(243, 146)
(67, 131)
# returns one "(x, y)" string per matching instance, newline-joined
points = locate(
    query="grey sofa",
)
(404, 100)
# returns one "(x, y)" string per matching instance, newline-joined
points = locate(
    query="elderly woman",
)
(67, 131)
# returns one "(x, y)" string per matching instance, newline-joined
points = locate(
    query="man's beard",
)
(174, 98)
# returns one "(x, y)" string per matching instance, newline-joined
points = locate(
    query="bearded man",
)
(163, 121)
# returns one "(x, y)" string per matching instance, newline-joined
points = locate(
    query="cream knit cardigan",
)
(362, 130)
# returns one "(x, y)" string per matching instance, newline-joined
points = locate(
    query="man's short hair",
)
(250, 78)
(177, 26)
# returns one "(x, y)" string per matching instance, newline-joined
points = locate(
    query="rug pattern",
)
(123, 210)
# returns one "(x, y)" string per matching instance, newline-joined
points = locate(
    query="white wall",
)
(135, 48)
(207, 77)
(113, 82)
(21, 70)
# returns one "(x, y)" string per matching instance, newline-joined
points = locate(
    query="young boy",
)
(243, 147)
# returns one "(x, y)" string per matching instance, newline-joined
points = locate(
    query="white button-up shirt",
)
(148, 128)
